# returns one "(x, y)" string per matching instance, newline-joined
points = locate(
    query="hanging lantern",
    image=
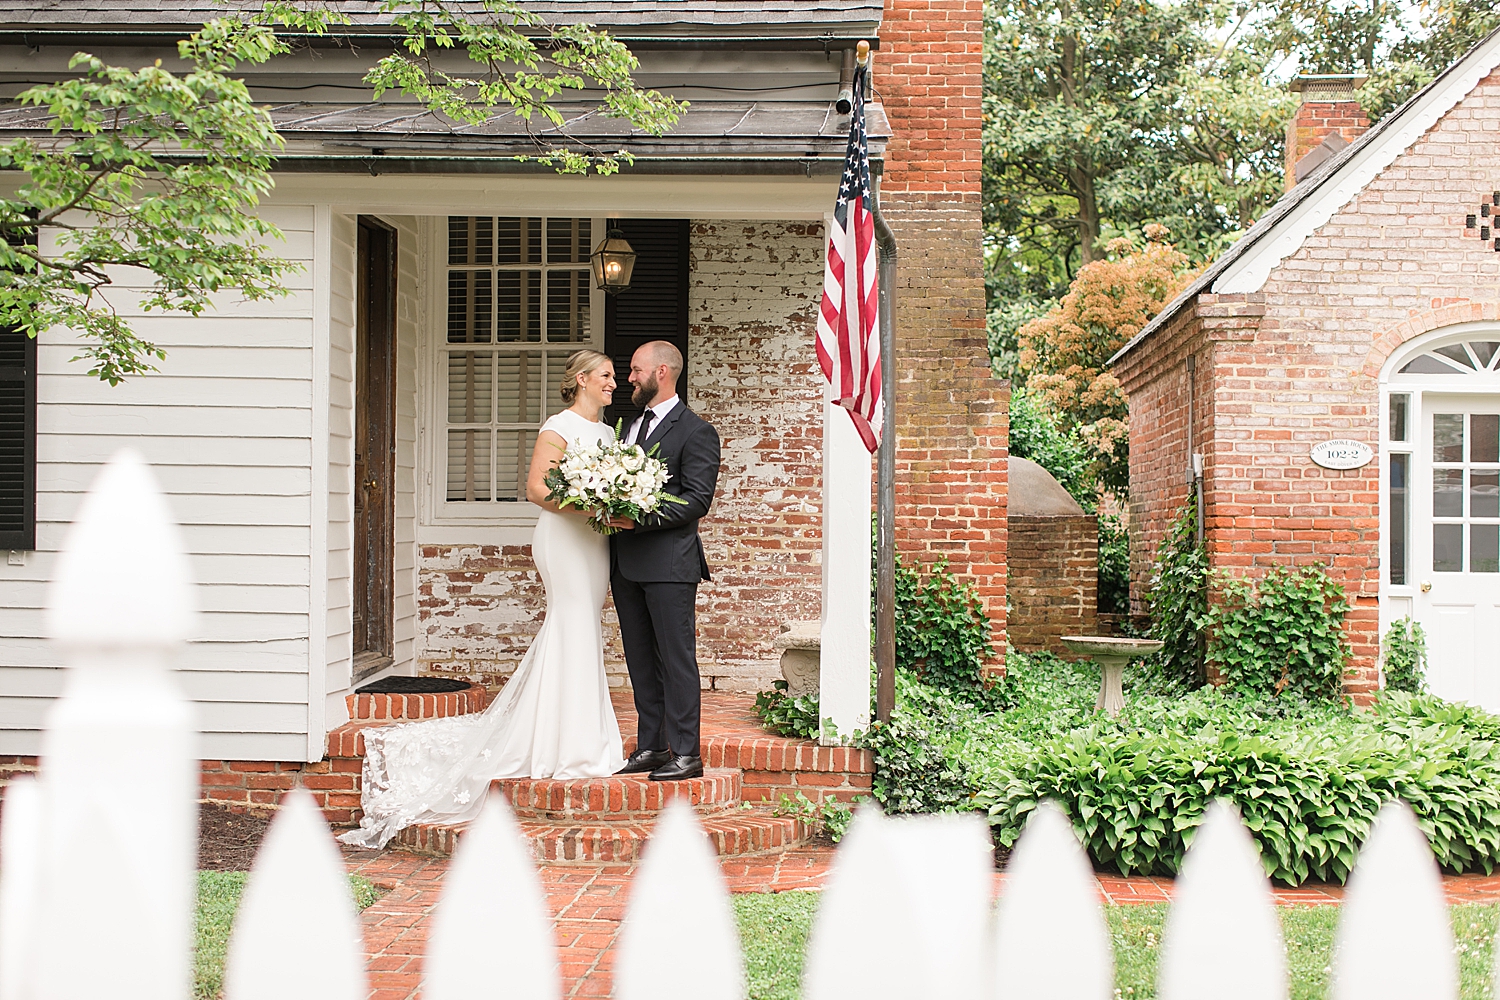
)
(613, 261)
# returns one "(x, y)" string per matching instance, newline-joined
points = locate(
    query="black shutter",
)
(17, 440)
(654, 307)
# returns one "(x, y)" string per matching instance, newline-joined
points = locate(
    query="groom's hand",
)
(623, 523)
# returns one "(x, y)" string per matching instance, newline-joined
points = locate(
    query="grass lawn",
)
(218, 897)
(774, 928)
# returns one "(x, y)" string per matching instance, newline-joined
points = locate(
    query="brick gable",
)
(1298, 362)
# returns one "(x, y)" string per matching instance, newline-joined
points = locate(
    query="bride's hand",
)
(623, 523)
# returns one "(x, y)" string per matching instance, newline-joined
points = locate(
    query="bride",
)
(553, 719)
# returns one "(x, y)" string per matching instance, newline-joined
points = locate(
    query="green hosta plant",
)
(1284, 633)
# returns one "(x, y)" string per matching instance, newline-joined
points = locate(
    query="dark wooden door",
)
(654, 307)
(374, 446)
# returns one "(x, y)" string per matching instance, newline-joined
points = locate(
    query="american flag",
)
(848, 337)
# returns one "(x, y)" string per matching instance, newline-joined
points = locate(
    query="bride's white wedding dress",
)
(553, 719)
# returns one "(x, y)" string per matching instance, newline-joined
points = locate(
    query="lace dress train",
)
(553, 719)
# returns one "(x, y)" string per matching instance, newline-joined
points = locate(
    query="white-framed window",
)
(517, 299)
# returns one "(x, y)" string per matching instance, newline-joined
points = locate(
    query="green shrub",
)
(1307, 777)
(1284, 633)
(1179, 598)
(786, 715)
(1405, 657)
(918, 759)
(942, 631)
(1114, 565)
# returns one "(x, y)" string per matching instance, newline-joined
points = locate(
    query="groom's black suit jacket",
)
(664, 547)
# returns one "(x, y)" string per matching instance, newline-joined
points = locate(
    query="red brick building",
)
(1338, 364)
(353, 498)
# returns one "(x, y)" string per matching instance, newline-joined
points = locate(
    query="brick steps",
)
(617, 799)
(609, 819)
(733, 833)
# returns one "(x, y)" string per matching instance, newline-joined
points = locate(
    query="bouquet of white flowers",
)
(610, 480)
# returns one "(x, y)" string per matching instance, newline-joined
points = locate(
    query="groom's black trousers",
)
(657, 625)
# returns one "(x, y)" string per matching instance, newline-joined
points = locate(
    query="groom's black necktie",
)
(643, 429)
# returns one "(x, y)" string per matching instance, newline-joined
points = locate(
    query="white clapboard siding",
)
(410, 292)
(228, 424)
(327, 696)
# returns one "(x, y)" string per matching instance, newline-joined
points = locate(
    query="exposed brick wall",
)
(951, 411)
(753, 374)
(928, 76)
(1299, 363)
(753, 302)
(1053, 580)
(257, 785)
(1315, 121)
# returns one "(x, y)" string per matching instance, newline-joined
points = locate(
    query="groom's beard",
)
(645, 392)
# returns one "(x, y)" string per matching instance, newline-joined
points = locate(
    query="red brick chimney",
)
(1327, 120)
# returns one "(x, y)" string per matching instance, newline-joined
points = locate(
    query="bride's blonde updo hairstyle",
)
(582, 363)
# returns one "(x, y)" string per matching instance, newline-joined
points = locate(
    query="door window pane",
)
(1447, 437)
(1484, 494)
(1400, 403)
(1447, 492)
(1399, 526)
(1448, 548)
(1484, 437)
(1456, 353)
(1484, 350)
(1484, 548)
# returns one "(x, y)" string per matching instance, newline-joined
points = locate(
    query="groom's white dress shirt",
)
(658, 411)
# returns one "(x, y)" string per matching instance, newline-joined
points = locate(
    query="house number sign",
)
(1342, 454)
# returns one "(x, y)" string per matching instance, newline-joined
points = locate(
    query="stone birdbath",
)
(1112, 655)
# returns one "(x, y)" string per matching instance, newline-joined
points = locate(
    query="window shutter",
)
(654, 307)
(17, 440)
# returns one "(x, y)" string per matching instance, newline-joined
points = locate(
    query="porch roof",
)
(851, 18)
(711, 137)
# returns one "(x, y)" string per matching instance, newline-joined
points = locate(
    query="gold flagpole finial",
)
(862, 53)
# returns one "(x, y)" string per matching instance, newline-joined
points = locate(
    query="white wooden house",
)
(347, 461)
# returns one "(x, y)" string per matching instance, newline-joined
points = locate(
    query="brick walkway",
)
(589, 903)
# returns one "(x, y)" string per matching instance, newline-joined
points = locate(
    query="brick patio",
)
(588, 903)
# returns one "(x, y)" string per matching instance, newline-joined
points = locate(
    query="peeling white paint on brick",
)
(753, 374)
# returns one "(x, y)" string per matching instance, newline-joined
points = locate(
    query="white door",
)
(1455, 538)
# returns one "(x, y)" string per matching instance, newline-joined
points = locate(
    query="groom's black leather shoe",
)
(645, 760)
(681, 766)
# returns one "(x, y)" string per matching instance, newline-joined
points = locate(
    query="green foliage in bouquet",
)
(604, 480)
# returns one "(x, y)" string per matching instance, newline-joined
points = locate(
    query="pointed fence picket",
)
(96, 872)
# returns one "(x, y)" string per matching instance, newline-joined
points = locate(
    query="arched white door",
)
(1441, 509)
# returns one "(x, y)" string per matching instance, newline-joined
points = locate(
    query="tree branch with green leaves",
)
(141, 190)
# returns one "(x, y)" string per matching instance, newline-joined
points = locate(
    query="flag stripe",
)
(848, 338)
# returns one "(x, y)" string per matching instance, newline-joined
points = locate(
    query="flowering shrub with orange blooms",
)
(1064, 352)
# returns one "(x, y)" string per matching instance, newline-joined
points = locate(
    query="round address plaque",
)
(1342, 454)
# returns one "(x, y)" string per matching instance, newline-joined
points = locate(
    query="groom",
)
(655, 566)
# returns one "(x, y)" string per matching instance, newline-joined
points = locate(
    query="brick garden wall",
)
(1053, 580)
(1299, 363)
(951, 411)
(753, 374)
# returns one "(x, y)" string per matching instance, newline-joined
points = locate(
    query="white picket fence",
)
(97, 866)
